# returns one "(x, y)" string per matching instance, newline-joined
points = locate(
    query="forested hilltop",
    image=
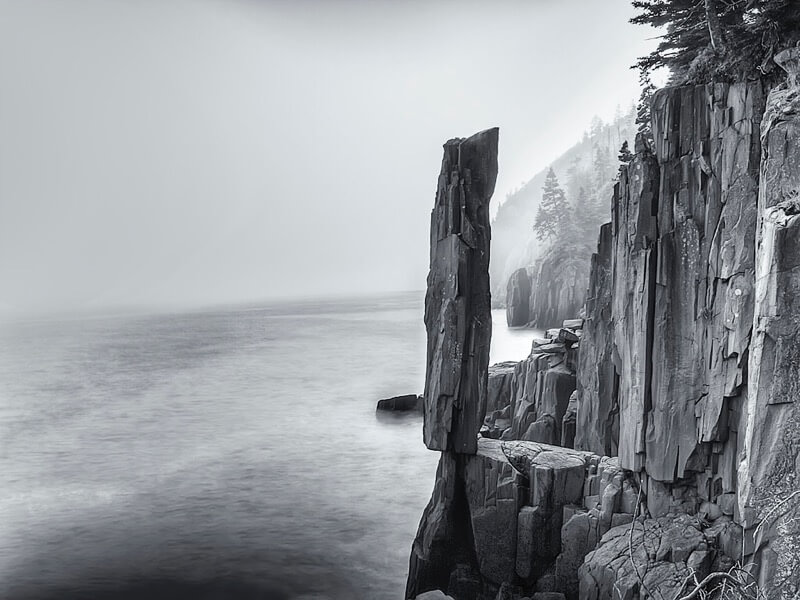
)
(586, 174)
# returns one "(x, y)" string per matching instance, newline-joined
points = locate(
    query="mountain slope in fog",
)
(513, 242)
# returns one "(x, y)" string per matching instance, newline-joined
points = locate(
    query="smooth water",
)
(223, 454)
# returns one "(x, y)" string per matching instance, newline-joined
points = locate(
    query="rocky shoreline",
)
(649, 449)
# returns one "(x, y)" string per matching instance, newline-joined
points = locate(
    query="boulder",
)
(567, 336)
(409, 402)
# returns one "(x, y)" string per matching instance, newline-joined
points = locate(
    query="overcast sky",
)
(158, 152)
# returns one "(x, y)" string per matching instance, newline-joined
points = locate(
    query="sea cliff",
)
(650, 448)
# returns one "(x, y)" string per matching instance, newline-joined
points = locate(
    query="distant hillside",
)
(513, 242)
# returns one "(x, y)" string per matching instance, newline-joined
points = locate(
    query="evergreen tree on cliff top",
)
(625, 155)
(554, 209)
(719, 40)
(643, 108)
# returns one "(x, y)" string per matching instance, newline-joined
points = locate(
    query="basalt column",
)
(769, 475)
(458, 302)
(459, 325)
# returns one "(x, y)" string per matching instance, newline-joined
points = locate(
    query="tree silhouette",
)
(643, 116)
(554, 210)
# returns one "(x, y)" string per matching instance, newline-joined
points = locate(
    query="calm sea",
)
(229, 453)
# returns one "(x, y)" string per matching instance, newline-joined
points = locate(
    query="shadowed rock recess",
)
(656, 441)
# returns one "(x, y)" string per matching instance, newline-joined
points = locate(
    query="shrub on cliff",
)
(719, 40)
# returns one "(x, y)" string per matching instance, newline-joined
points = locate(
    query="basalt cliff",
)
(651, 448)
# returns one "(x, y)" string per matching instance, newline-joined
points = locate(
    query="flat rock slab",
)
(572, 323)
(553, 348)
(524, 455)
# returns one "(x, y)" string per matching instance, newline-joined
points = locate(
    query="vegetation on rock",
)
(719, 40)
(553, 210)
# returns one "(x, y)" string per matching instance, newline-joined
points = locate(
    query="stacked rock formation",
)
(458, 323)
(676, 457)
(530, 400)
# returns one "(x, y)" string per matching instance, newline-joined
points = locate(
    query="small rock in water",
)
(405, 403)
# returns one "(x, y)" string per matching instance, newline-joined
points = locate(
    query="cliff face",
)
(703, 322)
(677, 453)
(558, 289)
(552, 290)
(682, 275)
(597, 424)
(769, 475)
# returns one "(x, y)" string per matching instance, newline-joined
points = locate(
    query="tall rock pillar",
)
(769, 474)
(459, 324)
(458, 302)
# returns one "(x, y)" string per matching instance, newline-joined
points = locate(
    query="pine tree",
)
(718, 40)
(643, 117)
(553, 210)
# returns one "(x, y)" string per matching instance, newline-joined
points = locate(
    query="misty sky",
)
(158, 152)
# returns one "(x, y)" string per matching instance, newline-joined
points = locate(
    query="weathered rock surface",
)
(680, 267)
(770, 471)
(457, 303)
(597, 417)
(633, 560)
(501, 377)
(709, 160)
(558, 289)
(518, 296)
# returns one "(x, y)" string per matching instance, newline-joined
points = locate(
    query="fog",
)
(195, 152)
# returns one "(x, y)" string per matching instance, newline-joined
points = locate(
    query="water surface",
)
(231, 453)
